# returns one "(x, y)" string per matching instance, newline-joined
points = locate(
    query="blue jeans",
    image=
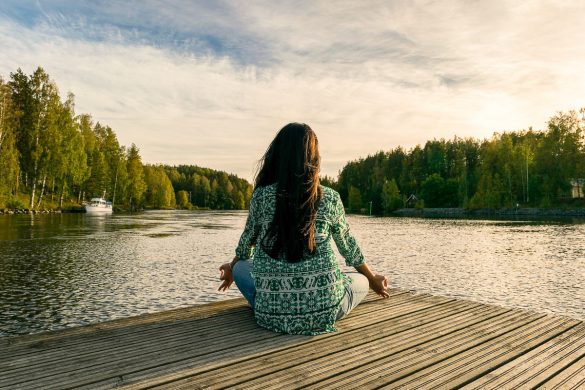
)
(354, 293)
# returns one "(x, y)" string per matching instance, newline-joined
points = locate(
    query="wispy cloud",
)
(211, 82)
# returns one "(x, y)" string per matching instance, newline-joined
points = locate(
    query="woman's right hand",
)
(225, 276)
(379, 283)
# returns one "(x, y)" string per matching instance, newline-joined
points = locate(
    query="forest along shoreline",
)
(54, 159)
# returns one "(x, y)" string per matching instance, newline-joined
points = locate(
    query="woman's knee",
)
(242, 269)
(359, 283)
(242, 273)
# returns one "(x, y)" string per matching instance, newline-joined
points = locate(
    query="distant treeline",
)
(51, 157)
(525, 168)
(197, 187)
(48, 154)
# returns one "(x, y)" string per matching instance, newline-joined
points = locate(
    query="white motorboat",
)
(98, 206)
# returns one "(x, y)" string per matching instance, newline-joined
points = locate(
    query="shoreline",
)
(504, 212)
(404, 212)
(32, 211)
(80, 210)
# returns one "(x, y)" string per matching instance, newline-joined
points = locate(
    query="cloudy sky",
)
(210, 82)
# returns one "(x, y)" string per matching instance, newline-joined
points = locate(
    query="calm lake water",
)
(58, 271)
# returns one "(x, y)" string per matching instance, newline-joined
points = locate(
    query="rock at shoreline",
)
(28, 211)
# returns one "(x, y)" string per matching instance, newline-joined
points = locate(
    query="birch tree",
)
(136, 183)
(33, 96)
(8, 151)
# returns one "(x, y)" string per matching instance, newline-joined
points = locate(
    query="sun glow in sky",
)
(210, 82)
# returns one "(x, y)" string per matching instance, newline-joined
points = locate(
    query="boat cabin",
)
(98, 202)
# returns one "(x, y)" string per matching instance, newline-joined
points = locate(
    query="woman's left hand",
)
(225, 276)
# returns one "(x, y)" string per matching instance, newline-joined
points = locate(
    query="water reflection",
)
(72, 269)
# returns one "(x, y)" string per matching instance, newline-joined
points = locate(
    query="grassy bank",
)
(21, 203)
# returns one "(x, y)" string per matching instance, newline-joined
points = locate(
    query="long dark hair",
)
(292, 161)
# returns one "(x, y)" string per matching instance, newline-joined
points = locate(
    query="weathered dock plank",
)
(535, 367)
(407, 341)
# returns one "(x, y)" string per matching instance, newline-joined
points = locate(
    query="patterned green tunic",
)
(303, 297)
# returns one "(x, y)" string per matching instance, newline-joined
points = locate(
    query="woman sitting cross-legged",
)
(285, 266)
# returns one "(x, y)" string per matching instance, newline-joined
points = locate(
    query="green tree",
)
(432, 190)
(559, 155)
(490, 192)
(240, 201)
(52, 136)
(120, 192)
(391, 198)
(9, 166)
(215, 195)
(114, 155)
(248, 194)
(136, 184)
(70, 162)
(37, 98)
(201, 190)
(98, 180)
(183, 200)
(435, 157)
(355, 199)
(159, 190)
(328, 182)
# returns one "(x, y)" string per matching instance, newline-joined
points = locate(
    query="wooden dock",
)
(407, 341)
